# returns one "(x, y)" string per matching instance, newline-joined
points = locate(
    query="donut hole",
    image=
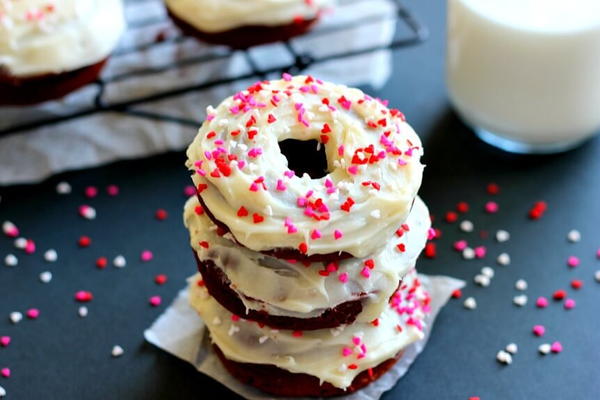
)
(305, 157)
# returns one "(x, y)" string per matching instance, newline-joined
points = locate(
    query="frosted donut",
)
(40, 37)
(336, 356)
(281, 288)
(371, 175)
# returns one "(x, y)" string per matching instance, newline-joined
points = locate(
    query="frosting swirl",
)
(373, 165)
(297, 290)
(335, 356)
(40, 37)
(222, 15)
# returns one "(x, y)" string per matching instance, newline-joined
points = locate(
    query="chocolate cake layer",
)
(279, 382)
(20, 91)
(246, 36)
(218, 285)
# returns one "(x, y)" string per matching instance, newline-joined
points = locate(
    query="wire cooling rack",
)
(154, 30)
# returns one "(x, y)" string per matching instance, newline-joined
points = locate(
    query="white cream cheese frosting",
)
(296, 290)
(332, 355)
(373, 158)
(221, 15)
(52, 36)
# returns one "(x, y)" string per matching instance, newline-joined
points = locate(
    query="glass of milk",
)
(525, 74)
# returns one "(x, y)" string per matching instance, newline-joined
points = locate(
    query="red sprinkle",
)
(493, 188)
(155, 301)
(559, 294)
(451, 217)
(204, 244)
(242, 212)
(112, 190)
(303, 247)
(84, 241)
(91, 191)
(457, 294)
(160, 279)
(297, 333)
(161, 214)
(430, 250)
(257, 218)
(83, 296)
(101, 262)
(462, 207)
(576, 284)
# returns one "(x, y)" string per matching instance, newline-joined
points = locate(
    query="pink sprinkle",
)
(480, 251)
(286, 77)
(539, 330)
(10, 229)
(155, 301)
(32, 313)
(356, 340)
(146, 255)
(91, 191)
(254, 187)
(4, 341)
(189, 191)
(353, 169)
(366, 272)
(301, 202)
(491, 207)
(280, 185)
(112, 190)
(30, 246)
(289, 173)
(431, 234)
(337, 234)
(541, 302)
(459, 245)
(598, 254)
(83, 296)
(316, 234)
(556, 347)
(5, 372)
(573, 261)
(346, 351)
(343, 277)
(569, 304)
(341, 152)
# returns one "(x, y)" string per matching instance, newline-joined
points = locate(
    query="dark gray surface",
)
(61, 356)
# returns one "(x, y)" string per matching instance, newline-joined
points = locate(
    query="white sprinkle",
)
(15, 317)
(119, 261)
(597, 275)
(544, 348)
(512, 348)
(263, 339)
(46, 276)
(503, 259)
(83, 311)
(574, 236)
(88, 212)
(466, 226)
(521, 284)
(468, 253)
(343, 368)
(20, 243)
(269, 210)
(504, 357)
(488, 271)
(482, 280)
(2, 392)
(11, 260)
(223, 122)
(470, 303)
(233, 329)
(117, 351)
(376, 214)
(63, 188)
(8, 227)
(502, 236)
(520, 300)
(50, 255)
(216, 321)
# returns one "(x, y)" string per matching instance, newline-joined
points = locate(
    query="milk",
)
(525, 74)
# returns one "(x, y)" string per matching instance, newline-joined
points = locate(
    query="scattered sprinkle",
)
(87, 212)
(161, 214)
(466, 226)
(82, 311)
(468, 253)
(112, 190)
(556, 347)
(569, 304)
(119, 261)
(502, 236)
(504, 357)
(470, 303)
(10, 260)
(101, 262)
(15, 317)
(5, 372)
(46, 277)
(117, 351)
(488, 271)
(559, 294)
(573, 261)
(493, 188)
(32, 313)
(155, 301)
(574, 236)
(160, 279)
(50, 255)
(541, 302)
(520, 300)
(512, 348)
(539, 330)
(5, 341)
(521, 284)
(576, 284)
(597, 276)
(146, 255)
(457, 294)
(503, 259)
(482, 280)
(91, 192)
(491, 207)
(544, 348)
(84, 296)
(84, 241)
(63, 188)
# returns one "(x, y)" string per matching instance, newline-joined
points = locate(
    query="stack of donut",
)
(306, 229)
